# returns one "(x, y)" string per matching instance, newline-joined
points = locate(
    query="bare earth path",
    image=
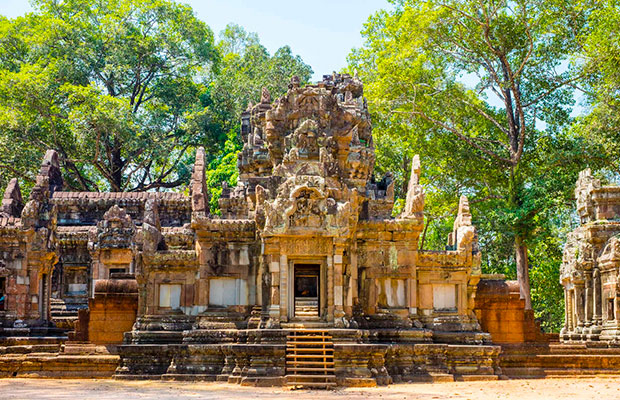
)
(66, 389)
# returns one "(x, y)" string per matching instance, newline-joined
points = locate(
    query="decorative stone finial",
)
(12, 203)
(414, 203)
(265, 96)
(463, 217)
(295, 82)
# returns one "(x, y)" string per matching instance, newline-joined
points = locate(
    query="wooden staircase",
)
(310, 359)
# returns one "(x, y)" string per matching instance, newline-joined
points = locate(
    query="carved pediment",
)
(611, 252)
(115, 231)
(308, 209)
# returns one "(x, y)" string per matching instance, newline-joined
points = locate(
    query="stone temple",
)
(306, 276)
(590, 271)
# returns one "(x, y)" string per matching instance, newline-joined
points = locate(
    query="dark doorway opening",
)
(307, 290)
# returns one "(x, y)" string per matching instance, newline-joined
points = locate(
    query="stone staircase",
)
(31, 345)
(63, 316)
(51, 357)
(559, 360)
(307, 308)
(310, 359)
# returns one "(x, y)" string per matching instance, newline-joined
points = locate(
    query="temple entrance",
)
(306, 290)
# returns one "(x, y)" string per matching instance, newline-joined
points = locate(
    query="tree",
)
(600, 63)
(483, 90)
(112, 85)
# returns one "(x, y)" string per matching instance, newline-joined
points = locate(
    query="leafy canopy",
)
(112, 85)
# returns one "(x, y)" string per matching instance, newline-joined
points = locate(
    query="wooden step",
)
(319, 362)
(311, 377)
(326, 337)
(308, 344)
(309, 356)
(311, 369)
(297, 350)
(314, 384)
(310, 359)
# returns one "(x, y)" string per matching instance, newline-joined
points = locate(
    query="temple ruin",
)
(306, 277)
(591, 265)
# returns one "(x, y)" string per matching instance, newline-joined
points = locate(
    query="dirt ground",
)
(31, 389)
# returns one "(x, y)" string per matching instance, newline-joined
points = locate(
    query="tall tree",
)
(483, 89)
(111, 84)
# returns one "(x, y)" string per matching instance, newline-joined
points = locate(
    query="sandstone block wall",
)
(113, 310)
(501, 312)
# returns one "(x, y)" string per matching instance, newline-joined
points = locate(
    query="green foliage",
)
(223, 169)
(600, 63)
(111, 85)
(125, 89)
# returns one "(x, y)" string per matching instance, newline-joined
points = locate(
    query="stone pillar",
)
(274, 306)
(353, 284)
(330, 289)
(260, 271)
(589, 297)
(410, 296)
(598, 301)
(579, 307)
(338, 284)
(284, 280)
(571, 310)
(565, 328)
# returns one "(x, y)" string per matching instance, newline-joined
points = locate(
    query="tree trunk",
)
(117, 167)
(523, 273)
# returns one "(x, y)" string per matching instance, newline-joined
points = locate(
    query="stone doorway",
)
(306, 291)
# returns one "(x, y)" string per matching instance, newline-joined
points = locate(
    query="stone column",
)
(338, 284)
(579, 307)
(353, 284)
(284, 281)
(274, 306)
(258, 279)
(598, 302)
(570, 312)
(330, 289)
(589, 297)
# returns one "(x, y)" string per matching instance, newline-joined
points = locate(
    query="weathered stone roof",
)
(138, 196)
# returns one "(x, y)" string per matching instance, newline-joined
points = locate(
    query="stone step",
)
(306, 303)
(27, 349)
(58, 366)
(31, 340)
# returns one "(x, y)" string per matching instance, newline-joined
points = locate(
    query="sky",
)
(322, 32)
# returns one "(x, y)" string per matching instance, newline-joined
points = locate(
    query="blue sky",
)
(322, 32)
